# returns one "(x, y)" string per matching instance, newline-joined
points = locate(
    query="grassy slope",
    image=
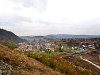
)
(23, 65)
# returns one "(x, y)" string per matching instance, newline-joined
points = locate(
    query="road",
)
(97, 66)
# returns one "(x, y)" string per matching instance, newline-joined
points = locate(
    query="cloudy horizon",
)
(43, 17)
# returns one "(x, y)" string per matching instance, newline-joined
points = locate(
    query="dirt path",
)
(97, 66)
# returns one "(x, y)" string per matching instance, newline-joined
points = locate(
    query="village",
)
(60, 45)
(71, 46)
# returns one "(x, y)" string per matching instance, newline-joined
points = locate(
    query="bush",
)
(85, 71)
(57, 63)
(9, 44)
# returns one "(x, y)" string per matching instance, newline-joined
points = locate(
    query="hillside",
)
(7, 35)
(18, 64)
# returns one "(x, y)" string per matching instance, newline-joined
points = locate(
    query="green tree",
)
(10, 44)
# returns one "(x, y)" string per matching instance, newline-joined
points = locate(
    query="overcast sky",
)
(42, 17)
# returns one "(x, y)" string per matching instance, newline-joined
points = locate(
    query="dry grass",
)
(23, 65)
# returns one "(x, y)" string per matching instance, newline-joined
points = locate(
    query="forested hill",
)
(8, 35)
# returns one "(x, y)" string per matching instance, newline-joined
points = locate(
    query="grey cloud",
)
(10, 20)
(53, 23)
(40, 5)
(43, 22)
(91, 26)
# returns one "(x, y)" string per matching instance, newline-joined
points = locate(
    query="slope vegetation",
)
(23, 65)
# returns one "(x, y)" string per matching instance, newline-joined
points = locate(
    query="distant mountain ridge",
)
(72, 36)
(60, 36)
(32, 37)
(8, 35)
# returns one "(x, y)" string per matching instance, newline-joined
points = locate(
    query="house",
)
(52, 49)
